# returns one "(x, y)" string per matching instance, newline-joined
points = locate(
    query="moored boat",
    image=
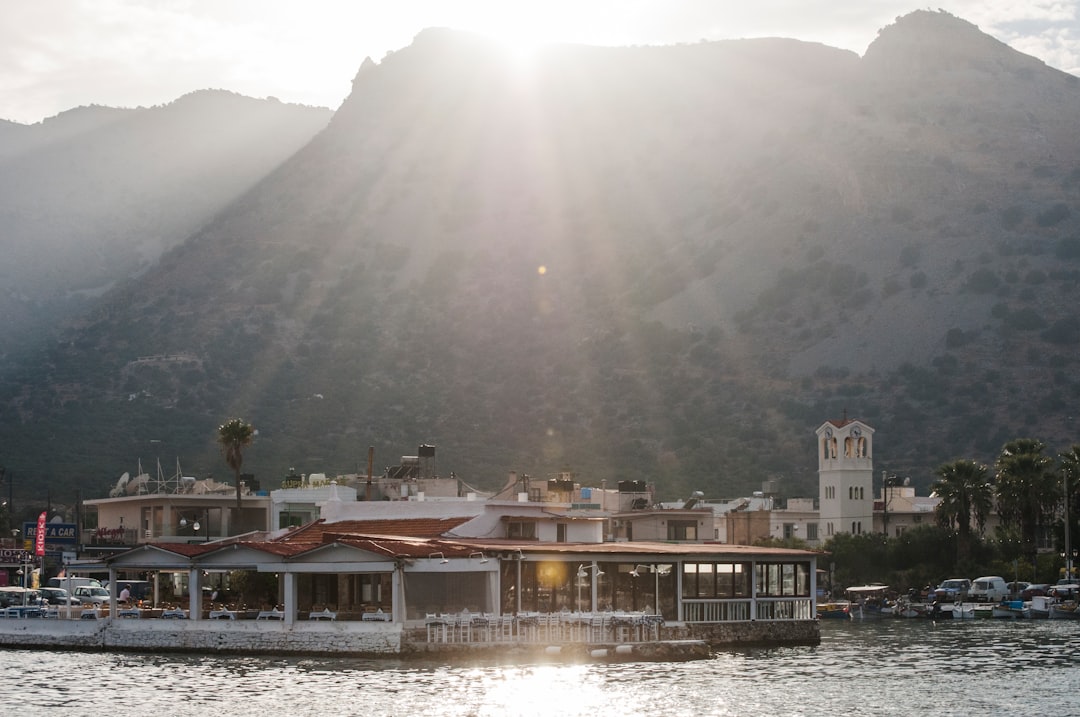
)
(838, 610)
(1011, 609)
(871, 602)
(1064, 611)
(1039, 607)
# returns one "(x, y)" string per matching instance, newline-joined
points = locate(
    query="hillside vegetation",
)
(657, 263)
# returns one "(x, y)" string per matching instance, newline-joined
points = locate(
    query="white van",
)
(988, 589)
(70, 583)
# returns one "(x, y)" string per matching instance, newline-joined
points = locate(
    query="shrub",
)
(982, 281)
(1068, 248)
(910, 255)
(1054, 215)
(1012, 216)
(1064, 332)
(955, 338)
(1026, 319)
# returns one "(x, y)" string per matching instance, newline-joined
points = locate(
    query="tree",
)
(234, 436)
(1070, 476)
(1027, 495)
(966, 495)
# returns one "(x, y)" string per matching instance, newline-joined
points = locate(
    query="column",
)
(291, 601)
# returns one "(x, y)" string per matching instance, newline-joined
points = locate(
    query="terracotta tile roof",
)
(320, 531)
(188, 550)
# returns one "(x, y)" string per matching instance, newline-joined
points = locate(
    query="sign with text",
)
(54, 533)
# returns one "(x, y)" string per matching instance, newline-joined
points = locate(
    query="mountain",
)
(652, 263)
(95, 195)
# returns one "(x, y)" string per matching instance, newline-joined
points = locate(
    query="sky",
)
(56, 55)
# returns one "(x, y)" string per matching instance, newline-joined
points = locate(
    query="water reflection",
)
(879, 668)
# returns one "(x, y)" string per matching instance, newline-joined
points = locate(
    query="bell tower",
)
(845, 477)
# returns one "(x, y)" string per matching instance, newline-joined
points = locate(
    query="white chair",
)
(436, 627)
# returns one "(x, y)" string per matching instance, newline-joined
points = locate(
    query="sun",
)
(521, 29)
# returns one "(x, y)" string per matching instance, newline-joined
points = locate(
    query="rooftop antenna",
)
(370, 467)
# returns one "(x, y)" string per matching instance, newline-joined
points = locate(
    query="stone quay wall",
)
(219, 636)
(736, 634)
(678, 642)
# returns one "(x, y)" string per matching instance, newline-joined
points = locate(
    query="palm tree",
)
(1027, 495)
(965, 495)
(234, 436)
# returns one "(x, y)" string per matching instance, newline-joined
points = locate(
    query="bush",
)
(1012, 216)
(1068, 248)
(1063, 332)
(1025, 319)
(955, 338)
(1054, 215)
(982, 281)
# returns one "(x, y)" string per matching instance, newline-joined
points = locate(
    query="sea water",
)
(887, 667)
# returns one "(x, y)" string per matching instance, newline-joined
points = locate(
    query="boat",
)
(871, 602)
(1066, 610)
(1064, 602)
(838, 610)
(1012, 609)
(1039, 607)
(960, 611)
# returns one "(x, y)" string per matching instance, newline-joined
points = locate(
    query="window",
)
(524, 529)
(811, 531)
(783, 579)
(716, 580)
(560, 532)
(682, 530)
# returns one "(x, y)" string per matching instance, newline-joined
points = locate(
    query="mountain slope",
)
(95, 195)
(665, 264)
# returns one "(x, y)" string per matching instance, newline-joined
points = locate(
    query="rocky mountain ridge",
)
(667, 264)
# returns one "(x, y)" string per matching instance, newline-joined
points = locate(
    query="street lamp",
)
(657, 571)
(196, 526)
(582, 573)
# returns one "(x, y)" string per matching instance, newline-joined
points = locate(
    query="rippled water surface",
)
(882, 668)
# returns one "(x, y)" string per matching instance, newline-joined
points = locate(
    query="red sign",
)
(39, 536)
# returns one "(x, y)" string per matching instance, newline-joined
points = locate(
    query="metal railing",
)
(739, 610)
(716, 610)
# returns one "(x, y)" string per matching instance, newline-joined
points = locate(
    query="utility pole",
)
(885, 502)
(1068, 543)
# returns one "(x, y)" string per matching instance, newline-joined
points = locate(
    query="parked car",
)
(991, 588)
(1017, 588)
(952, 590)
(1034, 590)
(90, 595)
(14, 596)
(58, 596)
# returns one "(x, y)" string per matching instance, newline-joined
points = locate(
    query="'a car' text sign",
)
(54, 532)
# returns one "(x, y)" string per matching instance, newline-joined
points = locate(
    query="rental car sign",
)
(54, 533)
